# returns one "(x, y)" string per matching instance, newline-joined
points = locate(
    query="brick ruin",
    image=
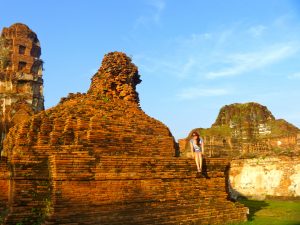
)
(275, 177)
(97, 158)
(246, 131)
(21, 83)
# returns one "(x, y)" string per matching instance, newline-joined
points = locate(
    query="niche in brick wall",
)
(36, 67)
(22, 49)
(35, 51)
(21, 66)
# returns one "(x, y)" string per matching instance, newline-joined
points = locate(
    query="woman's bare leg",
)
(196, 160)
(200, 160)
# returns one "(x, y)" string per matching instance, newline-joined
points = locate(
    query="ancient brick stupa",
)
(21, 83)
(107, 119)
(97, 158)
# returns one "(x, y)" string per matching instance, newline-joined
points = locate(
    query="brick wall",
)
(4, 187)
(270, 177)
(84, 189)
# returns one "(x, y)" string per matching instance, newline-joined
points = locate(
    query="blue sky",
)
(193, 56)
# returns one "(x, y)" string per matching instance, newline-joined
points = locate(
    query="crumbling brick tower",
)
(21, 83)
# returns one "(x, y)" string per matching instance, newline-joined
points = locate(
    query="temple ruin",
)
(263, 151)
(245, 131)
(97, 158)
(21, 83)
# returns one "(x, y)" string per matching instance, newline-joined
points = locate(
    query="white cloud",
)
(294, 76)
(223, 53)
(284, 20)
(230, 63)
(245, 62)
(187, 67)
(197, 92)
(224, 36)
(157, 7)
(195, 39)
(257, 31)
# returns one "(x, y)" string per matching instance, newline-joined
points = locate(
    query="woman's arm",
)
(202, 146)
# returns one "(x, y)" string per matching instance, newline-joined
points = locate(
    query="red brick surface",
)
(97, 158)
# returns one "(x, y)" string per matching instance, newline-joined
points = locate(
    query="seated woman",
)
(197, 149)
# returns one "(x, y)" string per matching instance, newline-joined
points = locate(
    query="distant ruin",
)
(97, 158)
(246, 131)
(264, 151)
(21, 83)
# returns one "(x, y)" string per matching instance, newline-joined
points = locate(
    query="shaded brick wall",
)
(4, 186)
(85, 189)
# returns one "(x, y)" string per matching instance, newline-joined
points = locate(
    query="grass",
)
(272, 212)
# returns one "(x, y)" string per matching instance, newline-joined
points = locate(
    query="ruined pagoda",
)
(21, 83)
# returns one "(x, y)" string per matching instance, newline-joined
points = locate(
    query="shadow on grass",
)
(254, 206)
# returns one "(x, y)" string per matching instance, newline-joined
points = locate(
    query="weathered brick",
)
(97, 158)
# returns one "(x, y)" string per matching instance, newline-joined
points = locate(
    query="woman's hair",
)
(198, 137)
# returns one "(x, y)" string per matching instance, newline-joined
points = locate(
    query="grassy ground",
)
(272, 212)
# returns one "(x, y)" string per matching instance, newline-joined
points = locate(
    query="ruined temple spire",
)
(116, 78)
(21, 83)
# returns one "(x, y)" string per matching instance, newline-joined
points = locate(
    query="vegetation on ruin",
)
(4, 53)
(3, 213)
(248, 130)
(280, 127)
(222, 131)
